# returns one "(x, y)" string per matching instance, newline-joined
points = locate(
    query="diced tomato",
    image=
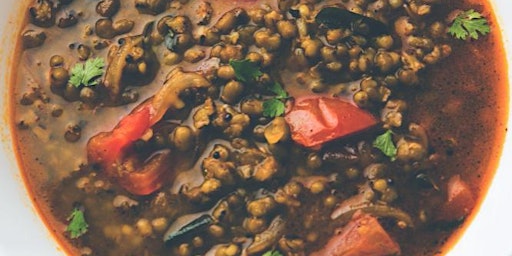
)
(112, 151)
(362, 236)
(150, 176)
(108, 147)
(316, 120)
(460, 200)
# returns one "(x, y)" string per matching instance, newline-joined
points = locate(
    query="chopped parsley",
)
(469, 24)
(278, 90)
(87, 74)
(77, 225)
(245, 70)
(384, 143)
(275, 106)
(272, 253)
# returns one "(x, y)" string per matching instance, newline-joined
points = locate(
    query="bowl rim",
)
(487, 233)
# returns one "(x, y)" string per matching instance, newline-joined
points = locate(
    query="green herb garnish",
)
(278, 90)
(77, 225)
(87, 74)
(384, 143)
(245, 70)
(272, 253)
(275, 106)
(469, 23)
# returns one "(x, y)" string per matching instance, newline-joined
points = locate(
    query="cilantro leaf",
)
(278, 90)
(77, 225)
(273, 107)
(245, 70)
(272, 253)
(87, 74)
(469, 23)
(384, 143)
(171, 40)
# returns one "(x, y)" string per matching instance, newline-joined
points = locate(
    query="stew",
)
(258, 127)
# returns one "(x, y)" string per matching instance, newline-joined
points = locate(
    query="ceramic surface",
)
(23, 234)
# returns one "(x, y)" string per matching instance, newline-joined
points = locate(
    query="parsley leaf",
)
(86, 74)
(171, 40)
(272, 253)
(245, 70)
(77, 225)
(469, 23)
(273, 107)
(278, 90)
(384, 143)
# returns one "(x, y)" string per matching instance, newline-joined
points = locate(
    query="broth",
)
(281, 183)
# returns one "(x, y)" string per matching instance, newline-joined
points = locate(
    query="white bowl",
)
(22, 233)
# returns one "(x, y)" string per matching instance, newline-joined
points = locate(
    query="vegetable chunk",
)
(460, 200)
(362, 236)
(316, 120)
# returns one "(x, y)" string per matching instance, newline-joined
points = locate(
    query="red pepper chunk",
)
(316, 120)
(112, 150)
(362, 236)
(460, 200)
(108, 148)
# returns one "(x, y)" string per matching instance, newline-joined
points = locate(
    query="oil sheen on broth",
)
(241, 127)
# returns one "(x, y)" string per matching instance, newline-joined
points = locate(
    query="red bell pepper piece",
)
(459, 202)
(316, 120)
(107, 148)
(151, 176)
(362, 236)
(112, 150)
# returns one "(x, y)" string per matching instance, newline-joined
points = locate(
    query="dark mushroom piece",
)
(133, 62)
(42, 13)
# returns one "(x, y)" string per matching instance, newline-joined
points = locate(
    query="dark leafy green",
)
(171, 40)
(87, 74)
(426, 182)
(469, 24)
(384, 143)
(275, 106)
(77, 225)
(245, 70)
(278, 90)
(190, 229)
(333, 17)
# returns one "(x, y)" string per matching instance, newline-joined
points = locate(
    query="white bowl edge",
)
(489, 232)
(24, 234)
